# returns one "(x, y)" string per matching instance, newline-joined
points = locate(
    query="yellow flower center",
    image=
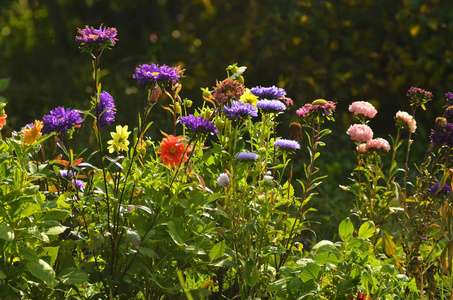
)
(172, 149)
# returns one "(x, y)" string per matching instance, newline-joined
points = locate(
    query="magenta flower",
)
(328, 107)
(154, 73)
(363, 108)
(103, 37)
(360, 132)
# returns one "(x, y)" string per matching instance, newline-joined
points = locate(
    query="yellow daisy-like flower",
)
(119, 141)
(248, 97)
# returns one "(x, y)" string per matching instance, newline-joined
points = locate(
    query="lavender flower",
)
(199, 124)
(154, 73)
(244, 155)
(442, 137)
(105, 110)
(223, 179)
(287, 144)
(272, 92)
(445, 190)
(102, 37)
(270, 105)
(239, 110)
(65, 173)
(61, 120)
(78, 184)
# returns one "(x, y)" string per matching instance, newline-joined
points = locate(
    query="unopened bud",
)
(177, 108)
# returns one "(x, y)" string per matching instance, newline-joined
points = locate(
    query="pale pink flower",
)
(363, 108)
(360, 132)
(406, 121)
(361, 148)
(378, 144)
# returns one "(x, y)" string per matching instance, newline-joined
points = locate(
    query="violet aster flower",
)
(223, 179)
(442, 137)
(105, 110)
(445, 190)
(244, 155)
(65, 173)
(272, 92)
(78, 184)
(61, 120)
(199, 124)
(154, 73)
(239, 110)
(287, 144)
(271, 106)
(103, 37)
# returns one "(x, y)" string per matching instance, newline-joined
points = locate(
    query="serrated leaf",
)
(41, 270)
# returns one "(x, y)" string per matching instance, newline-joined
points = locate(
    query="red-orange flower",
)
(33, 133)
(2, 121)
(173, 150)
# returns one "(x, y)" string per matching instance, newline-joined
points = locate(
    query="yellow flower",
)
(248, 97)
(119, 141)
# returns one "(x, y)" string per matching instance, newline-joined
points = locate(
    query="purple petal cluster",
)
(105, 110)
(449, 96)
(103, 35)
(442, 137)
(199, 124)
(61, 120)
(78, 184)
(287, 144)
(244, 155)
(239, 110)
(271, 105)
(445, 190)
(65, 173)
(448, 114)
(154, 73)
(223, 179)
(272, 92)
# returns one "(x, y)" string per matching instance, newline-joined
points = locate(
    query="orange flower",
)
(173, 150)
(2, 121)
(33, 133)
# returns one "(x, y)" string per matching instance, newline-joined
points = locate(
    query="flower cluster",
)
(363, 108)
(272, 92)
(271, 106)
(105, 110)
(449, 96)
(445, 190)
(442, 137)
(378, 144)
(406, 121)
(418, 96)
(223, 179)
(199, 124)
(360, 132)
(448, 114)
(154, 73)
(61, 120)
(286, 144)
(244, 155)
(239, 110)
(320, 105)
(173, 150)
(90, 37)
(228, 89)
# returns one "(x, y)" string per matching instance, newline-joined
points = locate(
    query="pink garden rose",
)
(378, 144)
(361, 148)
(360, 132)
(405, 120)
(363, 108)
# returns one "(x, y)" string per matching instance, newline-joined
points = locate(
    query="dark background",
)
(343, 51)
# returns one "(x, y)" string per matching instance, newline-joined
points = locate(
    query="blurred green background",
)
(343, 51)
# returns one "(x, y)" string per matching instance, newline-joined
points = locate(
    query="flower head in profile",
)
(199, 124)
(105, 110)
(173, 150)
(223, 179)
(272, 92)
(379, 145)
(418, 96)
(248, 97)
(445, 190)
(3, 120)
(320, 106)
(405, 121)
(32, 132)
(360, 132)
(154, 73)
(61, 120)
(228, 89)
(119, 140)
(288, 145)
(295, 131)
(245, 155)
(89, 37)
(66, 173)
(363, 108)
(239, 110)
(270, 106)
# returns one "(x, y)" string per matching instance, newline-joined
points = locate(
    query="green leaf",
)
(73, 276)
(55, 230)
(367, 230)
(294, 286)
(346, 229)
(277, 285)
(173, 232)
(387, 243)
(41, 270)
(133, 237)
(311, 271)
(251, 273)
(4, 82)
(2, 275)
(217, 251)
(6, 232)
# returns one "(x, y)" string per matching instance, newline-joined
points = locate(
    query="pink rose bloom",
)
(360, 132)
(363, 108)
(406, 121)
(378, 144)
(361, 148)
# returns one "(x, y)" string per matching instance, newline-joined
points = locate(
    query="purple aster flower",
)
(271, 105)
(65, 173)
(104, 36)
(78, 184)
(223, 179)
(154, 73)
(244, 155)
(449, 96)
(199, 124)
(272, 92)
(61, 120)
(442, 137)
(239, 110)
(287, 144)
(445, 190)
(105, 110)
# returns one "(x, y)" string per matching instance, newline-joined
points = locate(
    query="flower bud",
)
(219, 123)
(206, 113)
(319, 102)
(187, 103)
(177, 108)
